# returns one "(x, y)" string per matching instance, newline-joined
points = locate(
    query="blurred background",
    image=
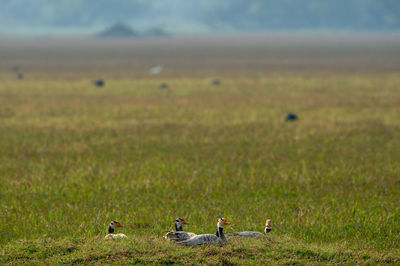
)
(161, 17)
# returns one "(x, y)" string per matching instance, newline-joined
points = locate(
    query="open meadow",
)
(74, 156)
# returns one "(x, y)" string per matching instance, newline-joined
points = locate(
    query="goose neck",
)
(178, 226)
(111, 229)
(220, 232)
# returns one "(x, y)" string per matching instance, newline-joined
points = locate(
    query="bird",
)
(207, 239)
(156, 70)
(216, 82)
(111, 229)
(99, 83)
(163, 86)
(20, 76)
(178, 234)
(291, 117)
(267, 229)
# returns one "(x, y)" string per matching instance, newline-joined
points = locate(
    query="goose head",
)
(179, 222)
(268, 226)
(221, 222)
(220, 227)
(113, 224)
(268, 223)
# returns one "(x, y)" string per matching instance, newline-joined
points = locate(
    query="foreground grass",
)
(146, 250)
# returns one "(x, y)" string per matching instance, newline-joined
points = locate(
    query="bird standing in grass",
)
(111, 229)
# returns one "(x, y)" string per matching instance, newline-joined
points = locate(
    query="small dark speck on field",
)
(20, 76)
(291, 117)
(164, 86)
(99, 83)
(216, 82)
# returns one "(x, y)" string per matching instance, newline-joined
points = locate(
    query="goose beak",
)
(226, 222)
(184, 222)
(120, 225)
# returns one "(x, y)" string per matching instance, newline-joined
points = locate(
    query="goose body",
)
(115, 236)
(111, 229)
(207, 239)
(267, 229)
(178, 234)
(248, 234)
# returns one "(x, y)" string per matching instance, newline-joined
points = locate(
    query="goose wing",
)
(247, 234)
(178, 235)
(115, 236)
(109, 236)
(204, 239)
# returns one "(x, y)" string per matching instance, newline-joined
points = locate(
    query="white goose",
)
(178, 234)
(206, 239)
(267, 229)
(111, 229)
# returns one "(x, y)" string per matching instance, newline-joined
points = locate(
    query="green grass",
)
(152, 250)
(73, 157)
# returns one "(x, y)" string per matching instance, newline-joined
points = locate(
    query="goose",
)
(178, 234)
(111, 229)
(267, 229)
(207, 239)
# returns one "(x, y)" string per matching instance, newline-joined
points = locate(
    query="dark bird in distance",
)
(99, 83)
(291, 117)
(163, 86)
(216, 82)
(20, 76)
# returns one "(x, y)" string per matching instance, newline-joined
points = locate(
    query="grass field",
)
(74, 156)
